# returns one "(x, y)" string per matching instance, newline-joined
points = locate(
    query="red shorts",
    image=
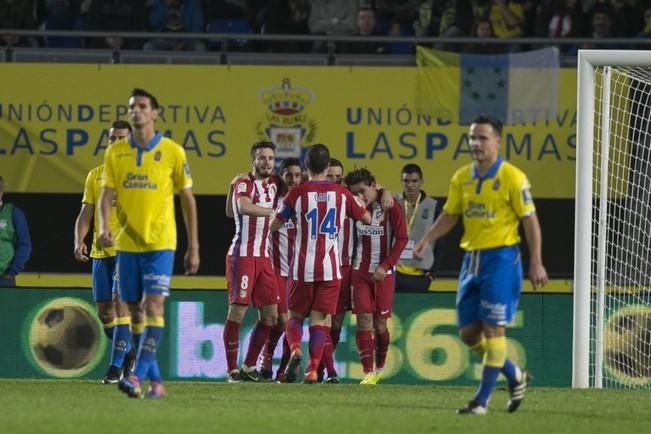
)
(344, 303)
(305, 297)
(251, 280)
(282, 293)
(372, 297)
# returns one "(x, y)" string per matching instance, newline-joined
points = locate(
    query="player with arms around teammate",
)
(113, 313)
(319, 208)
(378, 249)
(142, 174)
(492, 197)
(250, 277)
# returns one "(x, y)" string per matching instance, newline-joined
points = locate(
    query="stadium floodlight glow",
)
(612, 255)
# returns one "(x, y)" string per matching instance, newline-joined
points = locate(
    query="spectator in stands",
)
(425, 24)
(116, 16)
(15, 244)
(332, 17)
(602, 26)
(392, 15)
(287, 17)
(646, 30)
(365, 27)
(627, 17)
(17, 15)
(507, 18)
(559, 19)
(175, 16)
(456, 19)
(484, 29)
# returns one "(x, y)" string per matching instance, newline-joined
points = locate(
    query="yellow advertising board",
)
(54, 121)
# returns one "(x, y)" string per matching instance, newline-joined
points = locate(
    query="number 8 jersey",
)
(320, 209)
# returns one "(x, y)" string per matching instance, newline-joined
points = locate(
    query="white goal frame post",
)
(588, 60)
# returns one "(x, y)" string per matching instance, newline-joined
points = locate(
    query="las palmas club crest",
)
(285, 122)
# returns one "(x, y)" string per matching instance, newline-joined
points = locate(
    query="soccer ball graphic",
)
(627, 349)
(65, 338)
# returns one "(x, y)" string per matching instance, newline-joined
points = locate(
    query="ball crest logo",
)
(63, 338)
(157, 156)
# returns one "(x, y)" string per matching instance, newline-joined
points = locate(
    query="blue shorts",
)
(146, 272)
(103, 276)
(489, 286)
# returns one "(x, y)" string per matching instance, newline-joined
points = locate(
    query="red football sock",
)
(294, 333)
(365, 347)
(259, 336)
(335, 334)
(231, 343)
(381, 348)
(327, 359)
(284, 360)
(317, 340)
(270, 347)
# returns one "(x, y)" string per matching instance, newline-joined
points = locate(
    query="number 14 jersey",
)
(320, 209)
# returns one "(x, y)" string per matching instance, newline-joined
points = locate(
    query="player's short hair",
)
(288, 162)
(336, 163)
(365, 7)
(359, 175)
(412, 168)
(262, 145)
(142, 92)
(317, 158)
(493, 122)
(120, 125)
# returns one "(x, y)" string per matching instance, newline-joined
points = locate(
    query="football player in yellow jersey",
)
(113, 313)
(492, 197)
(142, 174)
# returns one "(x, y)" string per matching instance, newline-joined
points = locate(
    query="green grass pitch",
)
(62, 406)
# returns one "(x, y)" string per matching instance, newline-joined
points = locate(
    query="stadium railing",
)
(228, 44)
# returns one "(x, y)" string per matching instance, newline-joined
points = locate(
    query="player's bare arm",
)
(82, 226)
(189, 208)
(229, 197)
(247, 207)
(537, 272)
(105, 204)
(441, 226)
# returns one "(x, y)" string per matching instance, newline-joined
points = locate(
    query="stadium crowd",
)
(427, 18)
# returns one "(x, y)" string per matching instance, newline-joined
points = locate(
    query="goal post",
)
(612, 260)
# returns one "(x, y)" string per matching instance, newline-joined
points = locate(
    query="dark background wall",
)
(51, 220)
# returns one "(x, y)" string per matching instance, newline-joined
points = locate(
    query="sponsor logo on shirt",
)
(371, 231)
(138, 182)
(478, 210)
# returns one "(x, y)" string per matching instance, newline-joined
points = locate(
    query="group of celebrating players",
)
(299, 250)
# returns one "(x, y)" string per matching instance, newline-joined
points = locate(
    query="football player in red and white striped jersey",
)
(378, 248)
(282, 253)
(250, 277)
(320, 208)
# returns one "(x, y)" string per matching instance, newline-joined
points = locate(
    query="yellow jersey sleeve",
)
(108, 178)
(182, 175)
(89, 189)
(522, 202)
(454, 203)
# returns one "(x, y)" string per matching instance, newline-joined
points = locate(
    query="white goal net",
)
(619, 227)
